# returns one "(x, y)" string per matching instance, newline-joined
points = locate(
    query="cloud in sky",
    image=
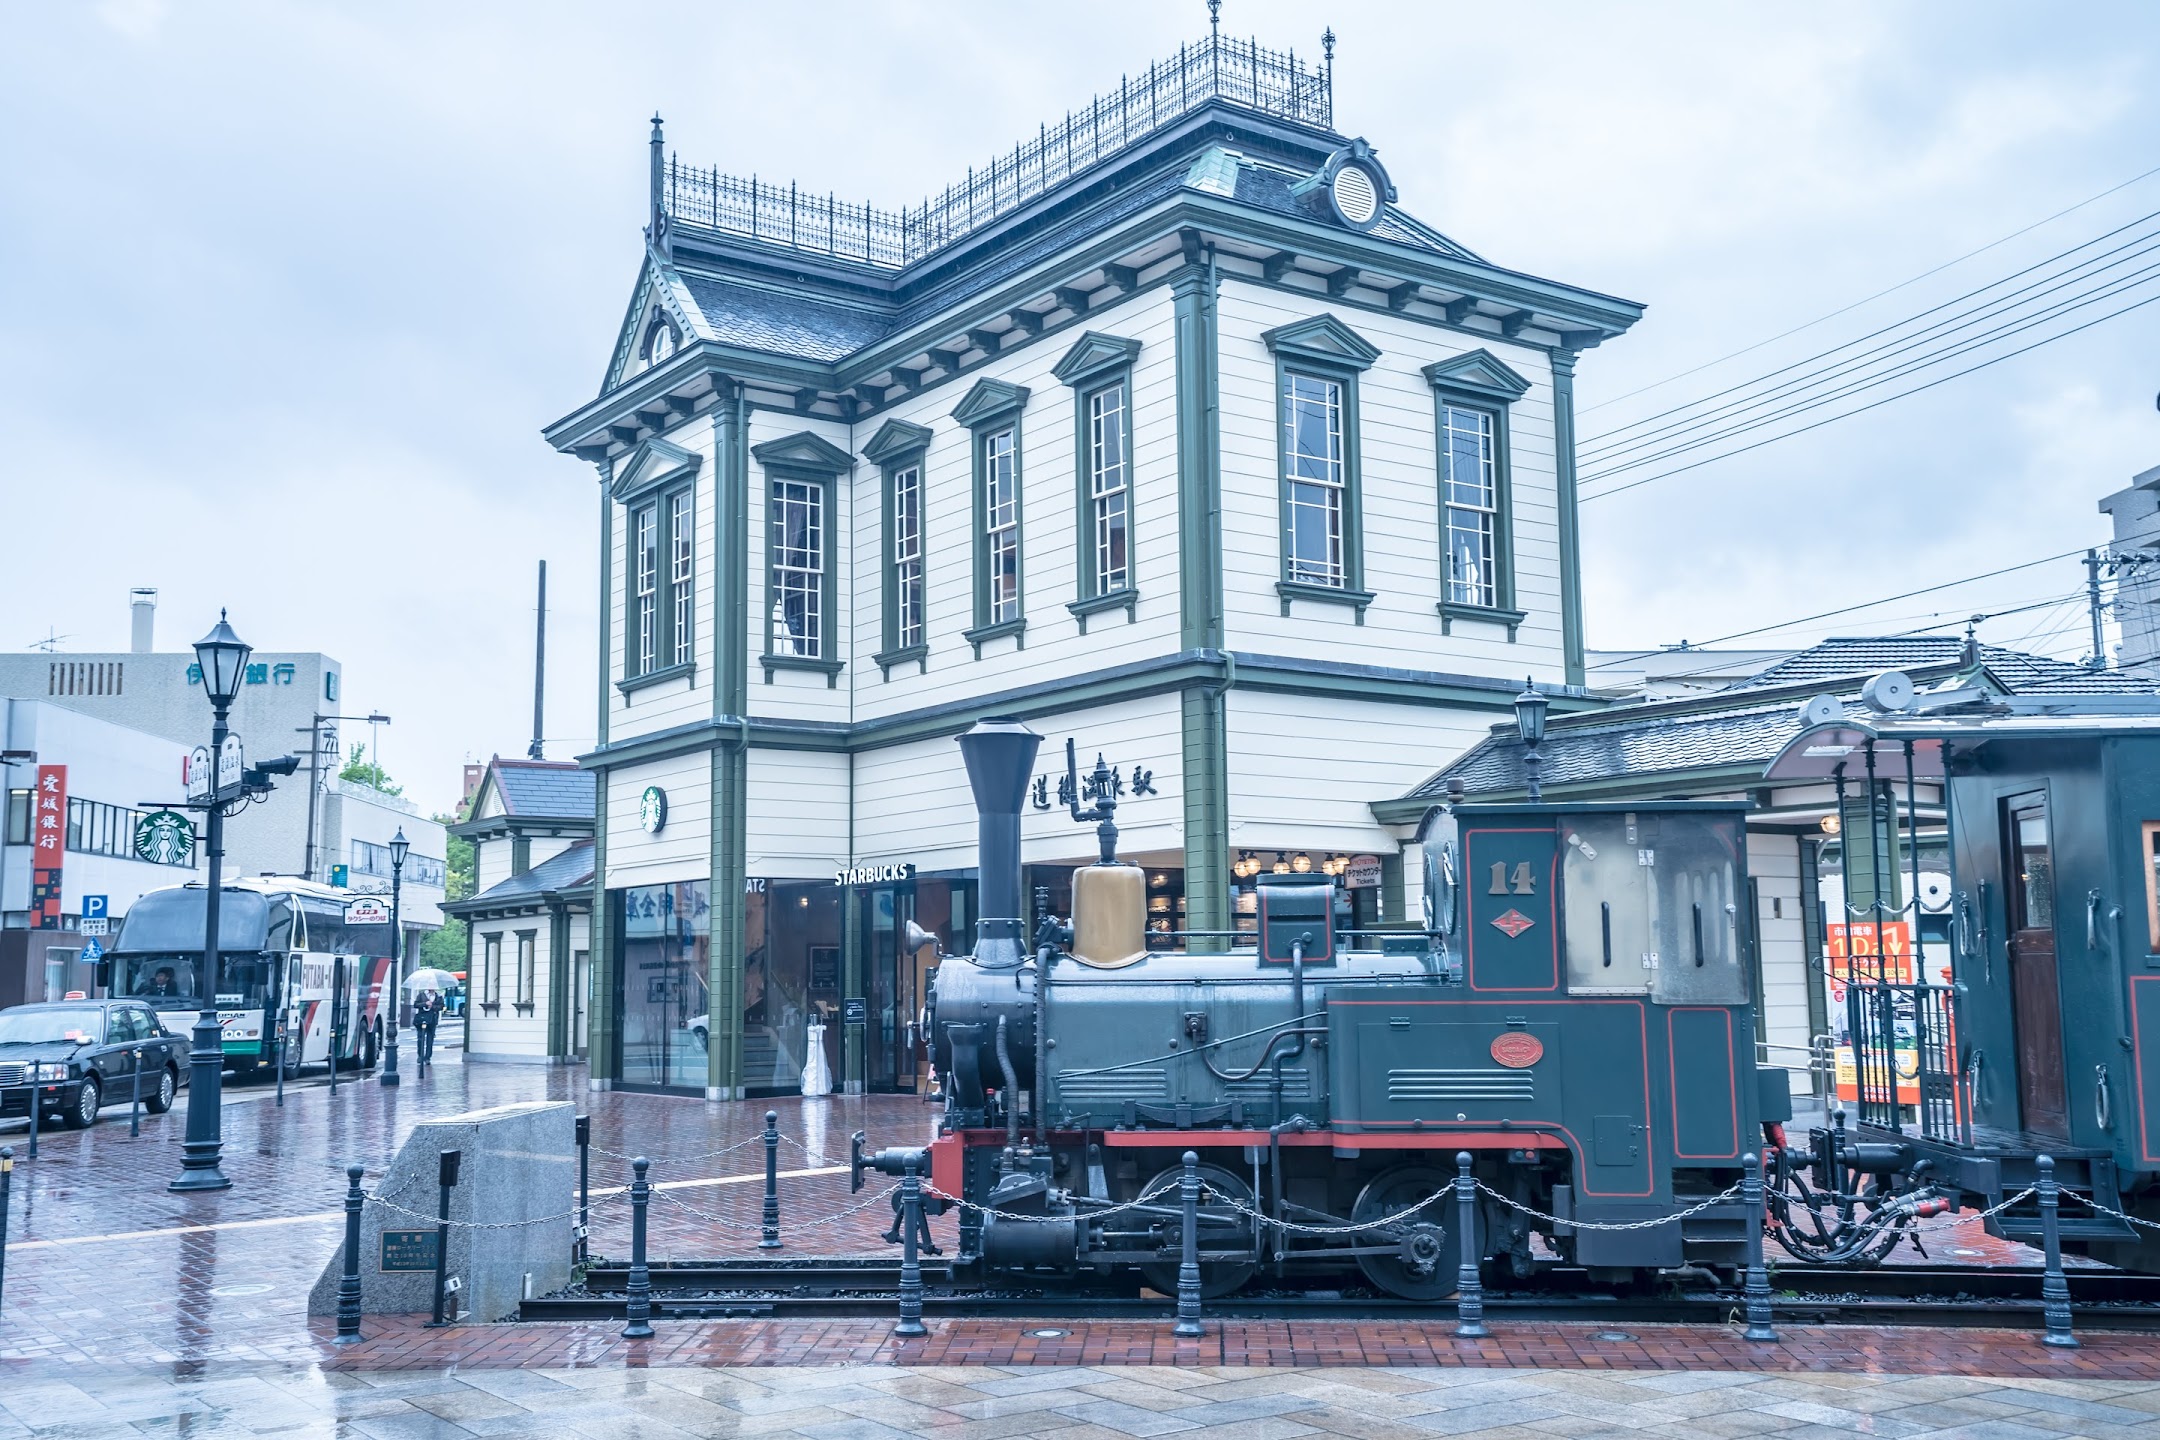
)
(286, 292)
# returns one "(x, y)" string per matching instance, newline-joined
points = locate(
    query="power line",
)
(1608, 445)
(1681, 446)
(1876, 404)
(1846, 309)
(1871, 604)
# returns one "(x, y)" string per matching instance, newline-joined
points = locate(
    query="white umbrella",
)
(430, 978)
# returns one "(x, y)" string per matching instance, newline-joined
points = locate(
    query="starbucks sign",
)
(164, 837)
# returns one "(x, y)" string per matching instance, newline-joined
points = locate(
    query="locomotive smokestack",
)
(1000, 755)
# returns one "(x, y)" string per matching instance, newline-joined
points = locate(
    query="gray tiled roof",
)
(1266, 186)
(571, 870)
(1747, 725)
(545, 789)
(1847, 656)
(759, 319)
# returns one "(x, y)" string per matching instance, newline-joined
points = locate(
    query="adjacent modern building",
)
(2135, 553)
(1717, 747)
(313, 824)
(79, 838)
(528, 961)
(1170, 432)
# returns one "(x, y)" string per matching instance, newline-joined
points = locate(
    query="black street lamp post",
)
(399, 848)
(1530, 709)
(223, 657)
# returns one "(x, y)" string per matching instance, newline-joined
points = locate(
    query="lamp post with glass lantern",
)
(399, 848)
(1530, 708)
(223, 657)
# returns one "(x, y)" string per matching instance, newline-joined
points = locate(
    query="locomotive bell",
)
(999, 753)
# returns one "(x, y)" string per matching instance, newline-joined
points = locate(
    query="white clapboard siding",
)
(671, 702)
(1774, 862)
(1054, 646)
(798, 694)
(491, 864)
(1399, 476)
(508, 1033)
(798, 813)
(683, 848)
(913, 804)
(1304, 770)
(547, 847)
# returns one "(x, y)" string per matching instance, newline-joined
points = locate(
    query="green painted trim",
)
(604, 970)
(607, 601)
(1352, 592)
(660, 499)
(1483, 378)
(909, 451)
(729, 840)
(1097, 379)
(1392, 898)
(1127, 600)
(990, 402)
(558, 991)
(1571, 604)
(804, 451)
(1199, 471)
(777, 472)
(1000, 418)
(685, 671)
(650, 466)
(1449, 395)
(520, 855)
(1093, 356)
(853, 1061)
(1647, 786)
(495, 827)
(982, 635)
(1324, 341)
(1452, 611)
(885, 660)
(1203, 748)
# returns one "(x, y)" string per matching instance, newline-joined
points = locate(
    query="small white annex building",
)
(528, 955)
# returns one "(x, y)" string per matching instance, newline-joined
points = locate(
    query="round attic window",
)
(660, 343)
(1356, 195)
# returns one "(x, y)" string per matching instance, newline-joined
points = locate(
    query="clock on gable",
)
(652, 809)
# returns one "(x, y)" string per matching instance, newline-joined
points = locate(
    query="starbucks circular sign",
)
(164, 837)
(652, 809)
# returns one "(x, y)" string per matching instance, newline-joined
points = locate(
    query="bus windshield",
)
(172, 980)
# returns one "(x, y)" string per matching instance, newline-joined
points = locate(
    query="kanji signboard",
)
(48, 845)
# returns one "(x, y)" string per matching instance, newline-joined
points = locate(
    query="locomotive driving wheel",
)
(1425, 1262)
(1217, 1277)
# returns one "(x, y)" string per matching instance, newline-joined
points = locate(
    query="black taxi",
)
(79, 1055)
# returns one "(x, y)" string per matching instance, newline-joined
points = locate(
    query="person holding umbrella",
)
(428, 1007)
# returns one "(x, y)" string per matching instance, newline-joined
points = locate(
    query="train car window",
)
(1697, 914)
(2150, 836)
(1605, 885)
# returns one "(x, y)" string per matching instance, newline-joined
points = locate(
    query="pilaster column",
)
(603, 972)
(1571, 612)
(730, 837)
(1200, 602)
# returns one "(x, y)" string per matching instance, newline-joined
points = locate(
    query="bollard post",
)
(639, 1290)
(771, 1238)
(446, 1178)
(348, 1289)
(1758, 1280)
(911, 1219)
(37, 1106)
(135, 1097)
(277, 1058)
(1470, 1293)
(1188, 1270)
(2054, 1289)
(581, 1253)
(7, 1185)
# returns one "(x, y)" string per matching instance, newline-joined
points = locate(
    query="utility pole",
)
(540, 671)
(2098, 660)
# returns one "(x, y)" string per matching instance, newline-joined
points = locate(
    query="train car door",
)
(2036, 1001)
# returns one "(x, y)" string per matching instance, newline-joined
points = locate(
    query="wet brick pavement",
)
(129, 1311)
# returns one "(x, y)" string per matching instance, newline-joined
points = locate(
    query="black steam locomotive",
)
(1575, 1013)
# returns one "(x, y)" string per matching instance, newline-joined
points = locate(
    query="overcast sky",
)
(288, 290)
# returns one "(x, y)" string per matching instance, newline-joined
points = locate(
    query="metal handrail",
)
(1240, 72)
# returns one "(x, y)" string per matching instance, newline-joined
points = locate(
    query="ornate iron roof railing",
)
(1238, 71)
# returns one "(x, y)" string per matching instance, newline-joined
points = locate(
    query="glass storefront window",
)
(666, 1013)
(898, 978)
(791, 977)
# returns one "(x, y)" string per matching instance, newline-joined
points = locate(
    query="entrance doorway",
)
(899, 976)
(2035, 998)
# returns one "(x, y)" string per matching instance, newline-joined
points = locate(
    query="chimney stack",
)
(142, 601)
(999, 752)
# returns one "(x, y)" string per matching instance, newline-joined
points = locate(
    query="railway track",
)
(1966, 1297)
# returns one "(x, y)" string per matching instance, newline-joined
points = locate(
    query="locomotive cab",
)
(1575, 1014)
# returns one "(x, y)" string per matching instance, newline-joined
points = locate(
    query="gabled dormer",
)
(525, 812)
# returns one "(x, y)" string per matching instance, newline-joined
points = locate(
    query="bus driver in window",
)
(161, 986)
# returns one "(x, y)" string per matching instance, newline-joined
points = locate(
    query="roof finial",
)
(1969, 653)
(1214, 17)
(656, 232)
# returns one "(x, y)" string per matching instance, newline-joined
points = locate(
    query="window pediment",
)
(651, 465)
(990, 401)
(1480, 373)
(807, 451)
(894, 439)
(1324, 339)
(1095, 354)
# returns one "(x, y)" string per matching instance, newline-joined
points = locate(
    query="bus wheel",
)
(290, 1059)
(168, 1084)
(370, 1044)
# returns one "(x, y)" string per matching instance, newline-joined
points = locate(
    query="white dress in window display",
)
(816, 1074)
